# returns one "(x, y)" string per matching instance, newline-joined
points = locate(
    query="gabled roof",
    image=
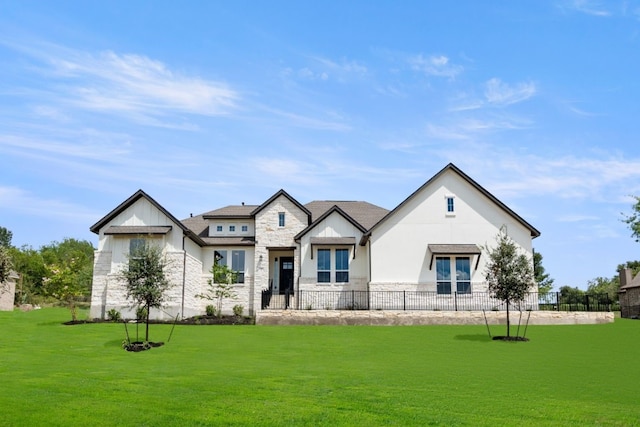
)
(364, 213)
(326, 214)
(231, 211)
(95, 228)
(453, 168)
(291, 199)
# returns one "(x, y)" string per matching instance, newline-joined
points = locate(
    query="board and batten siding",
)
(335, 225)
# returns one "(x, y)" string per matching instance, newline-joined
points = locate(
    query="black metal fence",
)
(423, 300)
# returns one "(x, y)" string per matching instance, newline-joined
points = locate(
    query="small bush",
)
(238, 310)
(210, 310)
(141, 313)
(114, 315)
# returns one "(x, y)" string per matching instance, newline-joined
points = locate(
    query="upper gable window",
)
(280, 219)
(451, 207)
(244, 228)
(232, 229)
(219, 228)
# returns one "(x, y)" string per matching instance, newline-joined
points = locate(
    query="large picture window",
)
(443, 275)
(237, 265)
(324, 265)
(462, 278)
(463, 275)
(342, 265)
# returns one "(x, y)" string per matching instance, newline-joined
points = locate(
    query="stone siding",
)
(407, 318)
(8, 292)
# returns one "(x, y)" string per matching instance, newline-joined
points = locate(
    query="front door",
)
(286, 275)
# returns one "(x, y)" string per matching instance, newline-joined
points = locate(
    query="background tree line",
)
(60, 270)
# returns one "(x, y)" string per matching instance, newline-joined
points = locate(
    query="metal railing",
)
(425, 300)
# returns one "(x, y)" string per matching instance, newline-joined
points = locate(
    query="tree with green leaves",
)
(6, 264)
(509, 272)
(145, 279)
(544, 282)
(5, 268)
(68, 271)
(5, 237)
(220, 286)
(633, 220)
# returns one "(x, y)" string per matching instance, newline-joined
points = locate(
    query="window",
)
(237, 265)
(244, 228)
(342, 265)
(324, 266)
(135, 245)
(463, 275)
(280, 219)
(219, 228)
(450, 205)
(443, 275)
(220, 257)
(232, 229)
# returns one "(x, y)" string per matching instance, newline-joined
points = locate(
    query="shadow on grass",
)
(477, 337)
(114, 343)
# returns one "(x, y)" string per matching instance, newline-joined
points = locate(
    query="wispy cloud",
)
(26, 203)
(498, 93)
(435, 65)
(129, 85)
(589, 7)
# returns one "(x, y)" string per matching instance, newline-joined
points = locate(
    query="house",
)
(629, 294)
(433, 242)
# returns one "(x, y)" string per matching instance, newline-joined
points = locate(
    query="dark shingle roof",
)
(232, 211)
(366, 214)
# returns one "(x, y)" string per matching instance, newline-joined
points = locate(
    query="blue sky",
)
(207, 103)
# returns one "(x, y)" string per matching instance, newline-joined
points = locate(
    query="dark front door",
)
(286, 275)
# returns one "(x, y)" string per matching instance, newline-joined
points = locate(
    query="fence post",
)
(404, 300)
(455, 301)
(557, 301)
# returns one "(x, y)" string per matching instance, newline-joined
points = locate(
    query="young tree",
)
(220, 286)
(68, 271)
(145, 280)
(508, 272)
(63, 284)
(544, 282)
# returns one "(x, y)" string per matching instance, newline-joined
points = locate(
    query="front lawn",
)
(53, 374)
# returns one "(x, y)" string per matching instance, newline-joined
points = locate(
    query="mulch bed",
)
(196, 320)
(514, 339)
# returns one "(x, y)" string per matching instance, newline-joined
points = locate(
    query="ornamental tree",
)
(145, 279)
(509, 272)
(220, 285)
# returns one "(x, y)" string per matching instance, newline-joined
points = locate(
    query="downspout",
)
(184, 274)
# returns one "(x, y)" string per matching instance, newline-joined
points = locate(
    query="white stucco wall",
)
(399, 246)
(335, 225)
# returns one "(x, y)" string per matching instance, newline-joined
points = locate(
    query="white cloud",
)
(435, 66)
(24, 202)
(498, 93)
(133, 86)
(590, 7)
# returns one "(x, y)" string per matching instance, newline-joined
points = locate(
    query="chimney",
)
(625, 277)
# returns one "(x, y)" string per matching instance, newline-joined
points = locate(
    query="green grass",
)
(52, 374)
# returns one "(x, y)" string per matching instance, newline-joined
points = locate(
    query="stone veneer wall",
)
(409, 318)
(101, 270)
(8, 292)
(270, 235)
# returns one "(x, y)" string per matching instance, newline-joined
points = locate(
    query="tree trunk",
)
(146, 338)
(508, 323)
